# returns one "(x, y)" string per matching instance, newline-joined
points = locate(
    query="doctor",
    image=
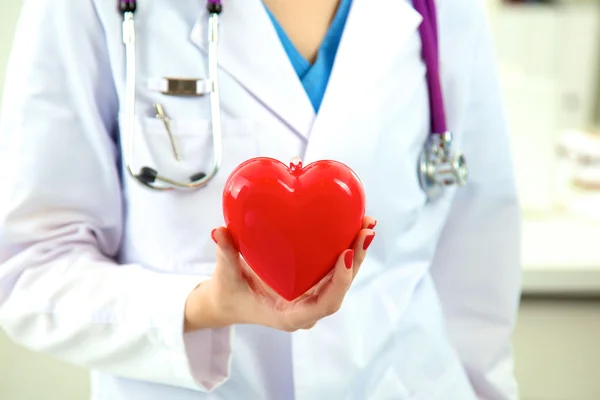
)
(101, 271)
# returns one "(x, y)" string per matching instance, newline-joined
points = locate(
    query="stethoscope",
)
(438, 166)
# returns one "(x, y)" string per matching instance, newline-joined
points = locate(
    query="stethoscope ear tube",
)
(148, 176)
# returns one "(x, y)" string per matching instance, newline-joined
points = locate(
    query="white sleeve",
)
(61, 292)
(477, 265)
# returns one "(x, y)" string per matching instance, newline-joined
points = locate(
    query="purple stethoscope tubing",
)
(430, 49)
(438, 167)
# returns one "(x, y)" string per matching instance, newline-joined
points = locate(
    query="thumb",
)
(342, 274)
(333, 294)
(226, 248)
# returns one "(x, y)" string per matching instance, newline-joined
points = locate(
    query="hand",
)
(236, 295)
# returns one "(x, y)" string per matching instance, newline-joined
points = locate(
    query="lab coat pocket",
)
(186, 147)
(173, 228)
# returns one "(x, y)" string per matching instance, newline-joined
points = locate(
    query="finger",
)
(232, 257)
(362, 244)
(224, 240)
(309, 326)
(330, 299)
(368, 222)
(227, 253)
(316, 289)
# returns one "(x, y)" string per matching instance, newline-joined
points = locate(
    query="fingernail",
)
(348, 258)
(212, 235)
(368, 241)
(372, 225)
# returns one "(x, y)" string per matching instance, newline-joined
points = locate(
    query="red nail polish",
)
(348, 258)
(212, 235)
(372, 225)
(368, 241)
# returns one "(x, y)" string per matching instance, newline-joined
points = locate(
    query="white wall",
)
(28, 376)
(557, 346)
(9, 10)
(547, 55)
(548, 61)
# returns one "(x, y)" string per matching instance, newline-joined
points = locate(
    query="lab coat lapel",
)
(371, 48)
(251, 52)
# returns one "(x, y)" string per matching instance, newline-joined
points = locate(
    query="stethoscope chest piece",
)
(439, 167)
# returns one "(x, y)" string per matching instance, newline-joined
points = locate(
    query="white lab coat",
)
(96, 269)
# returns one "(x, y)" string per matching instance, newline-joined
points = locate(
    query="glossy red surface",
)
(291, 223)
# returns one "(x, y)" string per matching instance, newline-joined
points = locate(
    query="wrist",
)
(202, 310)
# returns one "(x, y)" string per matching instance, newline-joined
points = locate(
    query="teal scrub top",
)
(314, 77)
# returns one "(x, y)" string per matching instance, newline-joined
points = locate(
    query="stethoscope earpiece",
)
(214, 6)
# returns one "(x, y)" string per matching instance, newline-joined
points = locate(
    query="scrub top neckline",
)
(314, 77)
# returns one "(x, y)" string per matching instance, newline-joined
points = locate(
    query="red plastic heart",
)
(292, 223)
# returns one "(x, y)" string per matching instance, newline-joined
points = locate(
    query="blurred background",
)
(549, 58)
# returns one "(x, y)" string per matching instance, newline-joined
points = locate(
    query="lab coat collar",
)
(376, 45)
(250, 50)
